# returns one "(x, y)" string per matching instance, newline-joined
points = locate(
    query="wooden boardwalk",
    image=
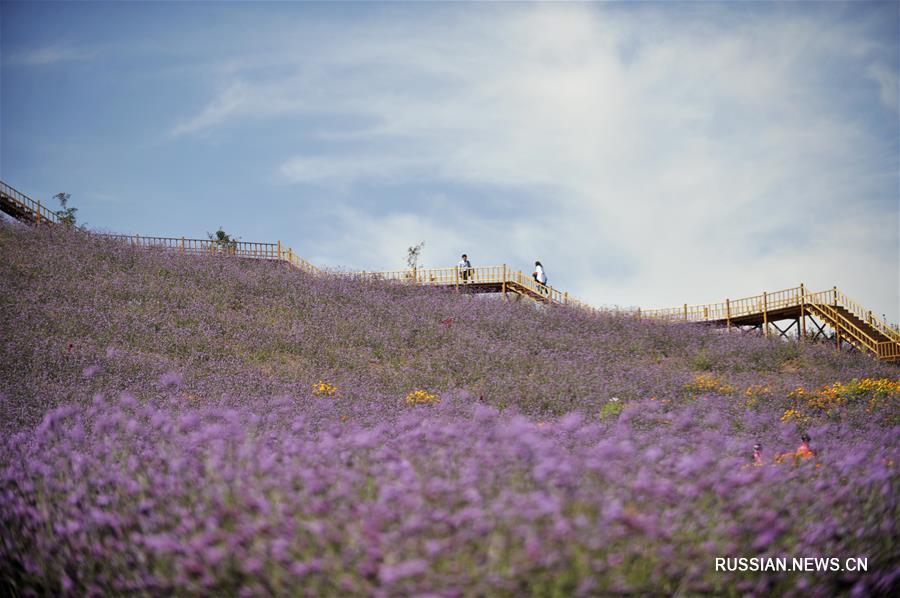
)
(812, 313)
(486, 279)
(852, 325)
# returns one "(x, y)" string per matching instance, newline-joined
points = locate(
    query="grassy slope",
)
(72, 303)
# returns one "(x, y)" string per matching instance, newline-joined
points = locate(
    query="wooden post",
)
(728, 314)
(457, 279)
(685, 312)
(639, 314)
(837, 333)
(279, 248)
(503, 284)
(765, 315)
(837, 325)
(182, 244)
(566, 298)
(38, 211)
(802, 311)
(705, 312)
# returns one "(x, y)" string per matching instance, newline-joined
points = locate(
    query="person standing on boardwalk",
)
(538, 274)
(465, 266)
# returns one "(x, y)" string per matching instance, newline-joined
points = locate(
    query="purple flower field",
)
(175, 424)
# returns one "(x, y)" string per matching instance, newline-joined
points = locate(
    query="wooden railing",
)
(866, 316)
(845, 328)
(888, 350)
(242, 249)
(441, 276)
(298, 262)
(508, 279)
(730, 308)
(265, 251)
(41, 213)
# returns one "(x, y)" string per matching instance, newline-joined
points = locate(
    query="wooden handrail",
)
(239, 248)
(244, 249)
(888, 350)
(868, 317)
(730, 308)
(846, 325)
(28, 204)
(500, 275)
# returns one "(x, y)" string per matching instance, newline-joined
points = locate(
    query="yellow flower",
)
(875, 394)
(421, 397)
(709, 383)
(797, 393)
(755, 390)
(324, 389)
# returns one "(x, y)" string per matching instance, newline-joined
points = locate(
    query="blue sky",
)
(648, 154)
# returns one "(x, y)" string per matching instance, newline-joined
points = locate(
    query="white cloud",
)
(668, 151)
(348, 169)
(240, 100)
(232, 100)
(51, 55)
(888, 85)
(380, 240)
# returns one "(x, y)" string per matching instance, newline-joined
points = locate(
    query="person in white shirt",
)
(465, 267)
(538, 273)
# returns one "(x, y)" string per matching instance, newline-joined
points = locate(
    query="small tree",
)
(412, 255)
(223, 240)
(66, 215)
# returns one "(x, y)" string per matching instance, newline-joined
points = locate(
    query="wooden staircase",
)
(851, 322)
(862, 325)
(862, 335)
(21, 207)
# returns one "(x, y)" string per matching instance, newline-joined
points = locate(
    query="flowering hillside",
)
(207, 425)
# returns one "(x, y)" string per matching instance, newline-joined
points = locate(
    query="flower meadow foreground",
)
(211, 426)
